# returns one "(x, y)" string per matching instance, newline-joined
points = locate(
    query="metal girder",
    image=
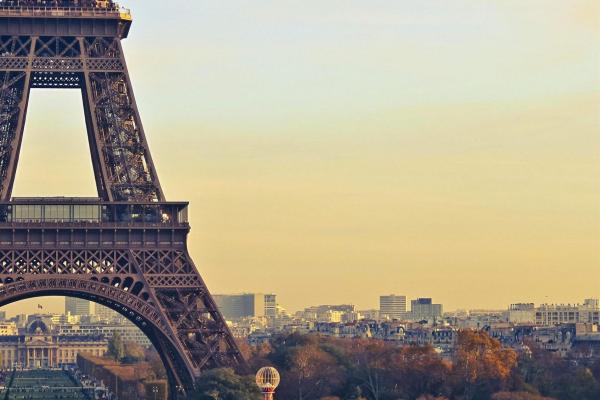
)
(158, 289)
(122, 163)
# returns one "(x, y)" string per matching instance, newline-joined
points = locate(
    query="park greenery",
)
(125, 351)
(314, 367)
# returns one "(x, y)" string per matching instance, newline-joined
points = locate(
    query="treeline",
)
(128, 352)
(314, 367)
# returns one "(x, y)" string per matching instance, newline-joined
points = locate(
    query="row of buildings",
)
(236, 307)
(555, 314)
(37, 346)
(51, 340)
(394, 307)
(54, 340)
(258, 306)
(257, 317)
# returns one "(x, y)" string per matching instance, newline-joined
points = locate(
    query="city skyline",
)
(389, 175)
(56, 304)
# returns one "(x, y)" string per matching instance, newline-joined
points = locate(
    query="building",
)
(556, 314)
(76, 306)
(20, 320)
(105, 314)
(236, 306)
(126, 330)
(64, 319)
(370, 314)
(38, 347)
(521, 313)
(329, 313)
(392, 306)
(424, 309)
(8, 329)
(557, 339)
(270, 305)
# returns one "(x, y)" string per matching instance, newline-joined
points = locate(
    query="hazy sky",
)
(336, 150)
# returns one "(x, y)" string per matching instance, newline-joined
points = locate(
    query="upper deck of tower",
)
(64, 17)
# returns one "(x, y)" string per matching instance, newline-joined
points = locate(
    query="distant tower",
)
(267, 379)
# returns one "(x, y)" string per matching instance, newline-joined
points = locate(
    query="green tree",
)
(116, 347)
(225, 384)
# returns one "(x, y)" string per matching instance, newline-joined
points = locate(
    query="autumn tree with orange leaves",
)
(481, 364)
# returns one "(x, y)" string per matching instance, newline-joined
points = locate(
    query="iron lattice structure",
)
(127, 249)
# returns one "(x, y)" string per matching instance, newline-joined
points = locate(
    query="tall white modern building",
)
(392, 306)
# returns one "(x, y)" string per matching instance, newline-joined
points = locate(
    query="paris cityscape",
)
(327, 200)
(87, 338)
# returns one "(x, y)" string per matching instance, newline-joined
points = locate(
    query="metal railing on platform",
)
(75, 12)
(86, 212)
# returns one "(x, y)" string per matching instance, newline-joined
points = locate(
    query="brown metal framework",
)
(127, 249)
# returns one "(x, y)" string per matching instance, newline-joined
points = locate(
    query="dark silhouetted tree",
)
(116, 347)
(225, 384)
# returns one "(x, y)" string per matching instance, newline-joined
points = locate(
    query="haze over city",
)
(331, 156)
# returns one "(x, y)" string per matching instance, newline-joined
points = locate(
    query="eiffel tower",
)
(125, 249)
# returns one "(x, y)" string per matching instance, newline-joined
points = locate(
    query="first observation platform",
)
(76, 222)
(64, 17)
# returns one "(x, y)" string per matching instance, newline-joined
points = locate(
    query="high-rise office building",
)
(236, 306)
(104, 313)
(270, 305)
(424, 309)
(392, 306)
(76, 306)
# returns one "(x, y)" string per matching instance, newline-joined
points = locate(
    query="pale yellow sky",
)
(337, 150)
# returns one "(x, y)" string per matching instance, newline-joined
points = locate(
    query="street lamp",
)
(155, 391)
(267, 379)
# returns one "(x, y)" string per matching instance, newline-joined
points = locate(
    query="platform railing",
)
(76, 12)
(83, 212)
